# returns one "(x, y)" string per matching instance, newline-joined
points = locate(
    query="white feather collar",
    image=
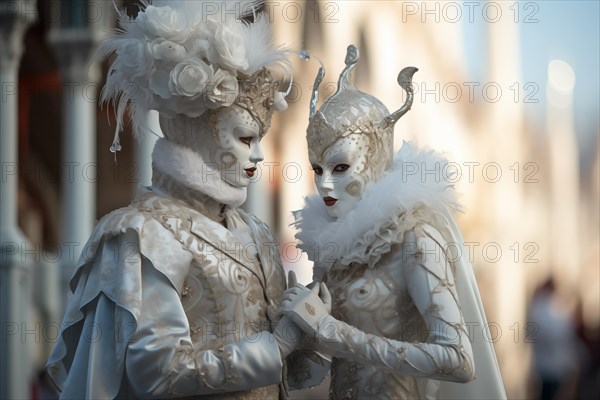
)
(404, 197)
(187, 167)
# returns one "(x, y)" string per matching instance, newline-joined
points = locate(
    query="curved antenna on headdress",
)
(305, 56)
(405, 81)
(345, 79)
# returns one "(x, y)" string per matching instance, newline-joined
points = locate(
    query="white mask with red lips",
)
(215, 154)
(235, 151)
(343, 174)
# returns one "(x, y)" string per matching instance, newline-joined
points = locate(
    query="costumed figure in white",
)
(176, 295)
(384, 242)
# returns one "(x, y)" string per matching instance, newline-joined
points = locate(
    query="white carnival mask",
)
(228, 140)
(343, 174)
(235, 151)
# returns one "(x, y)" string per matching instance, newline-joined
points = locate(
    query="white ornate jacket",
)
(167, 302)
(401, 292)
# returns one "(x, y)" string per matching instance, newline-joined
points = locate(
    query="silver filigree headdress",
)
(350, 111)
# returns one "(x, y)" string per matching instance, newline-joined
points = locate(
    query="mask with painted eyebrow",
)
(235, 159)
(344, 174)
(215, 137)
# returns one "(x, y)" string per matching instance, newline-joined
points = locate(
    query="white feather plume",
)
(258, 37)
(219, 10)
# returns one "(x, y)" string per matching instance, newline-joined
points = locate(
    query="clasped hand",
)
(306, 307)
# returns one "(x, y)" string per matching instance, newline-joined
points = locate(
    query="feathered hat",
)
(190, 56)
(350, 111)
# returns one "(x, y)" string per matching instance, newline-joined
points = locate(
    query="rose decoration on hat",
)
(177, 60)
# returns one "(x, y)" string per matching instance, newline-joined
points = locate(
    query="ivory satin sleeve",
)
(161, 360)
(446, 354)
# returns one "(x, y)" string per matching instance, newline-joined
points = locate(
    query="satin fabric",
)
(166, 302)
(488, 380)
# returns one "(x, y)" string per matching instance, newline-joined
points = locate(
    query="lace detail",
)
(344, 380)
(299, 371)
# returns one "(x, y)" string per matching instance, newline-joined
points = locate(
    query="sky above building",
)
(548, 30)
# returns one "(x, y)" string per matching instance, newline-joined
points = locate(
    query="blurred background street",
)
(508, 90)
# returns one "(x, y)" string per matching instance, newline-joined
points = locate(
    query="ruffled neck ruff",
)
(415, 190)
(193, 181)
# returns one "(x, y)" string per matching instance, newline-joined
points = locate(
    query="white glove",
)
(286, 332)
(305, 307)
(288, 336)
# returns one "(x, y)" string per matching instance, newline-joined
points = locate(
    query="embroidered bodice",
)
(406, 298)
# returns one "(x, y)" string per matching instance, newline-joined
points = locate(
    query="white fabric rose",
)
(133, 55)
(202, 48)
(223, 89)
(166, 50)
(190, 77)
(228, 50)
(164, 22)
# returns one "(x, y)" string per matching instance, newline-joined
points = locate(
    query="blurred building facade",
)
(531, 206)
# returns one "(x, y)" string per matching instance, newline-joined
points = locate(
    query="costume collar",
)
(196, 183)
(167, 186)
(408, 194)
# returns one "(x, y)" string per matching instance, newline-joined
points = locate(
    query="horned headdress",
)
(349, 111)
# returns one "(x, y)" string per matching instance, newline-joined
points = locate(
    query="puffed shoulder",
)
(427, 248)
(107, 284)
(111, 260)
(110, 268)
(131, 231)
(425, 233)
